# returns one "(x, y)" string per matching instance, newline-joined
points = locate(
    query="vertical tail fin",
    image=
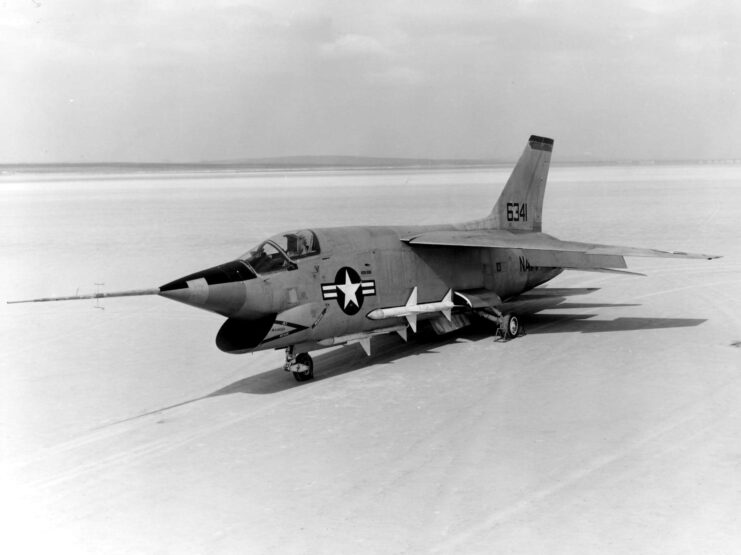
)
(520, 206)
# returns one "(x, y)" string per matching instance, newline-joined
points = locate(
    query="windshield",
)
(297, 244)
(266, 258)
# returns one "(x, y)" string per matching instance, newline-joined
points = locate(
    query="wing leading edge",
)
(544, 250)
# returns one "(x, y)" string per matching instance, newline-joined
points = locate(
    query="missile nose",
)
(218, 289)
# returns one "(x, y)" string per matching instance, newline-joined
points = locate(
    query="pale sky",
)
(157, 80)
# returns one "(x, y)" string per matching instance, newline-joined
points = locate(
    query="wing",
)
(544, 250)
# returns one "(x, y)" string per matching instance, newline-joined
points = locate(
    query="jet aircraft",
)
(308, 289)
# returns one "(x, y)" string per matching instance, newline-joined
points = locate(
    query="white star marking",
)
(350, 290)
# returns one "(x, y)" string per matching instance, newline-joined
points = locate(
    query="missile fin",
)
(448, 300)
(365, 343)
(412, 319)
(402, 333)
(412, 298)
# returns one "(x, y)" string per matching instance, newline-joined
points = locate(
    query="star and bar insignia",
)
(349, 290)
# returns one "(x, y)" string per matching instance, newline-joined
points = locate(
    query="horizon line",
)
(350, 161)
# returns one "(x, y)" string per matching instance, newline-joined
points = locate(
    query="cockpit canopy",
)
(279, 252)
(297, 244)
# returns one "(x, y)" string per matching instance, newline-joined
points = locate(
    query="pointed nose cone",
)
(192, 289)
(219, 289)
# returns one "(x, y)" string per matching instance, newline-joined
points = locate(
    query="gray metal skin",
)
(289, 308)
(377, 254)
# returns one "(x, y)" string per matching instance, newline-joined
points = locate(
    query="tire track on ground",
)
(154, 447)
(336, 363)
(450, 463)
(106, 431)
(679, 419)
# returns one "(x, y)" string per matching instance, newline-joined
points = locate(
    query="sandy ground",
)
(612, 427)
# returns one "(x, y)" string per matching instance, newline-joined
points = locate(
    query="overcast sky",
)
(156, 80)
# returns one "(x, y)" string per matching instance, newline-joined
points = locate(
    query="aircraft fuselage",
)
(330, 294)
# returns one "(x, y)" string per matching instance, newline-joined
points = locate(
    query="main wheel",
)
(512, 326)
(304, 359)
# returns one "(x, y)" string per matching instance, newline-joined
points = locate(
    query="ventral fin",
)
(366, 344)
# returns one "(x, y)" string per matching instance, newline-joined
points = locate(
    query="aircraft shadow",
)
(583, 323)
(329, 365)
(594, 305)
(386, 349)
(389, 348)
(533, 304)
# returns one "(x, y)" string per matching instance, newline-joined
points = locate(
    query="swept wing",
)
(545, 250)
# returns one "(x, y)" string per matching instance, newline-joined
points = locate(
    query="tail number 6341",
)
(516, 212)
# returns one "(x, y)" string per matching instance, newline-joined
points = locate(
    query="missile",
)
(363, 337)
(411, 309)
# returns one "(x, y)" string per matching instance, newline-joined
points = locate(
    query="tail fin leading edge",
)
(520, 206)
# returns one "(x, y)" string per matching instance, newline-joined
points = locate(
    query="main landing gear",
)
(300, 365)
(509, 327)
(508, 324)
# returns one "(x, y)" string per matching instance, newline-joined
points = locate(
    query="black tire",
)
(512, 326)
(306, 375)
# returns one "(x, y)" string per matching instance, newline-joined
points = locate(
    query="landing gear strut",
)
(508, 324)
(301, 365)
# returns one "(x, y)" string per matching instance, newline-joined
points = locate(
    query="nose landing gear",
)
(301, 365)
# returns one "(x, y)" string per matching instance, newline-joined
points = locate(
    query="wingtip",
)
(695, 255)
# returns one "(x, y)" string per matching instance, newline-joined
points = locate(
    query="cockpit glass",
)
(270, 256)
(297, 244)
(266, 258)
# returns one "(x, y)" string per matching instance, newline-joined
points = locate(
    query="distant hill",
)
(352, 162)
(297, 163)
(286, 163)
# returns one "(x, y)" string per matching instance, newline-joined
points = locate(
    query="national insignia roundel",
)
(349, 290)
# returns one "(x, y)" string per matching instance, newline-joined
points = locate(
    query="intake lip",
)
(241, 336)
(233, 271)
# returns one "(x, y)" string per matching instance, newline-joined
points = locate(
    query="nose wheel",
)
(301, 365)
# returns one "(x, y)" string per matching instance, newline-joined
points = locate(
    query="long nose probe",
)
(130, 293)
